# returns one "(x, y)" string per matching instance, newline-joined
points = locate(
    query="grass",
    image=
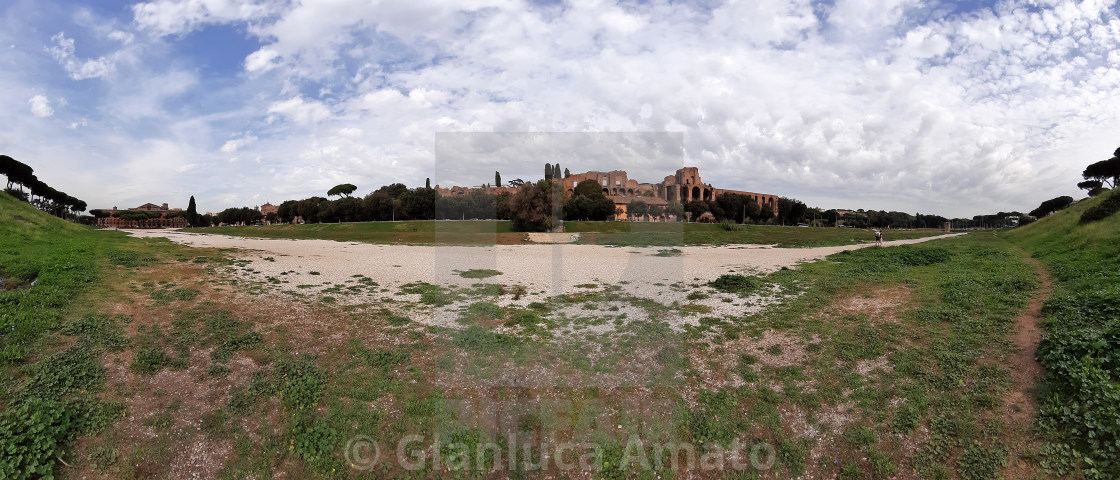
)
(1078, 414)
(490, 232)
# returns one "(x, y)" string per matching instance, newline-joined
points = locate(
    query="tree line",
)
(38, 193)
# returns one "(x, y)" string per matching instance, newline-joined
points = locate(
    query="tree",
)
(16, 172)
(1095, 187)
(497, 179)
(192, 213)
(530, 208)
(1105, 171)
(696, 208)
(548, 171)
(428, 183)
(790, 210)
(287, 211)
(516, 183)
(587, 202)
(637, 208)
(1051, 206)
(309, 209)
(675, 209)
(567, 173)
(343, 189)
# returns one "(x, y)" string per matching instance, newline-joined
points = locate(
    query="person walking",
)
(878, 238)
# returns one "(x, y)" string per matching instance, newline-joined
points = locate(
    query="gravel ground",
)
(544, 270)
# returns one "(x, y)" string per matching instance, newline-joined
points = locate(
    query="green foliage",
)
(130, 258)
(149, 361)
(715, 420)
(434, 295)
(1051, 206)
(1106, 208)
(32, 434)
(479, 273)
(979, 463)
(300, 383)
(97, 333)
(478, 339)
(734, 283)
(728, 225)
(65, 373)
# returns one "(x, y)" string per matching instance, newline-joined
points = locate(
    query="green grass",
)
(1079, 413)
(489, 232)
(47, 393)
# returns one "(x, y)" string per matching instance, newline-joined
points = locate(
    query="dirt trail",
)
(1019, 404)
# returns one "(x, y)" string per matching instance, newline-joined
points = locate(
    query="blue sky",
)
(956, 108)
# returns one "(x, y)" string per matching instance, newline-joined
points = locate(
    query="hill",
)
(47, 392)
(1079, 413)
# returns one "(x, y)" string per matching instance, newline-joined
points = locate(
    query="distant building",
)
(164, 220)
(682, 187)
(268, 208)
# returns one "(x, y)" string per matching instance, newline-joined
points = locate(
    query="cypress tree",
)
(192, 213)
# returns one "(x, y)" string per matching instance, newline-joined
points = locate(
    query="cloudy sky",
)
(956, 108)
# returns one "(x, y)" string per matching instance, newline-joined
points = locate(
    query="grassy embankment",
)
(486, 232)
(1079, 414)
(53, 340)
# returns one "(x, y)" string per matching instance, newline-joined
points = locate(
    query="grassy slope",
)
(602, 233)
(47, 390)
(1080, 349)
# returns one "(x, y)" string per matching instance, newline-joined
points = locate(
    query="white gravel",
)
(544, 270)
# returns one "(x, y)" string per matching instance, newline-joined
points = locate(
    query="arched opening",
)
(606, 192)
(707, 195)
(630, 191)
(696, 193)
(570, 190)
(684, 195)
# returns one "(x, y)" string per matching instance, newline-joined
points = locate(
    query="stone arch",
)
(707, 194)
(606, 192)
(695, 193)
(630, 191)
(571, 191)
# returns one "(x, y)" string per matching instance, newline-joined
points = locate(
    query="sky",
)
(950, 108)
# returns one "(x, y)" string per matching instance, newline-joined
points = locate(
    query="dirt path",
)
(1019, 405)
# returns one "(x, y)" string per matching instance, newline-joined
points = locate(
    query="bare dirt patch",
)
(880, 303)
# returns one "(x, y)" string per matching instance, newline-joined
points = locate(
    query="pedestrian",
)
(878, 238)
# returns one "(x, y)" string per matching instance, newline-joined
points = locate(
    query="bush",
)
(1106, 208)
(733, 283)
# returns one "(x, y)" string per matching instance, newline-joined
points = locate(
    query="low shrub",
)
(734, 283)
(1106, 208)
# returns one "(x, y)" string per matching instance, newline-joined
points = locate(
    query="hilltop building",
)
(682, 187)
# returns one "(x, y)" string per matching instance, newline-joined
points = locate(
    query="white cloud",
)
(260, 60)
(231, 146)
(41, 106)
(63, 53)
(121, 36)
(170, 17)
(302, 112)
